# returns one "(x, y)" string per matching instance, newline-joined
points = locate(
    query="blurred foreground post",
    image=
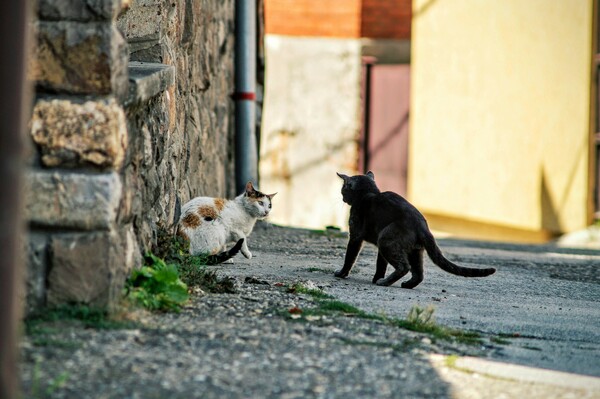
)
(13, 38)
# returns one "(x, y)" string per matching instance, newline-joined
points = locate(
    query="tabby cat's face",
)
(355, 187)
(259, 203)
(262, 206)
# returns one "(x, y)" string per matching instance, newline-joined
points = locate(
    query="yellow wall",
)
(500, 104)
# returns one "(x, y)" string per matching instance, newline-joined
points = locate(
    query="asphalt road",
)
(544, 300)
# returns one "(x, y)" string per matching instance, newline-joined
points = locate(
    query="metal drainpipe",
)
(246, 162)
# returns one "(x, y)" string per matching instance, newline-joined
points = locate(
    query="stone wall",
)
(132, 116)
(185, 136)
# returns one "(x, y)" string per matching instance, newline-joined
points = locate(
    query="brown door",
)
(385, 130)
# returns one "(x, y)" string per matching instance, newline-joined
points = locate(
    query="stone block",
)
(146, 80)
(144, 25)
(80, 58)
(71, 134)
(91, 268)
(72, 200)
(37, 262)
(78, 10)
(144, 20)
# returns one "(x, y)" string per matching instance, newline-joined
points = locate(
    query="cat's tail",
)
(438, 258)
(226, 255)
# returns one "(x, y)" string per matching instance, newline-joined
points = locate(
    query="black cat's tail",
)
(438, 258)
(226, 255)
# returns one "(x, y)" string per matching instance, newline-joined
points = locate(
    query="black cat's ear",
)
(370, 174)
(342, 176)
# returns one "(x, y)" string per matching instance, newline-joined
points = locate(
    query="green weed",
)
(43, 327)
(329, 232)
(500, 341)
(418, 320)
(207, 280)
(36, 387)
(299, 288)
(332, 307)
(169, 246)
(421, 316)
(451, 361)
(421, 320)
(157, 286)
(192, 269)
(90, 317)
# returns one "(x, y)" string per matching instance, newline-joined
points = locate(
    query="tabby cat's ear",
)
(249, 188)
(270, 196)
(342, 176)
(370, 174)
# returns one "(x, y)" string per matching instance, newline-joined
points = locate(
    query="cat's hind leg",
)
(399, 261)
(396, 275)
(415, 258)
(392, 250)
(381, 267)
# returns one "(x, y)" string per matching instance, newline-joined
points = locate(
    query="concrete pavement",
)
(538, 318)
(544, 301)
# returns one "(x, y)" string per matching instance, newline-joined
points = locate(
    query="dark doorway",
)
(386, 97)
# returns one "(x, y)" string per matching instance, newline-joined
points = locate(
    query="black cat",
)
(399, 231)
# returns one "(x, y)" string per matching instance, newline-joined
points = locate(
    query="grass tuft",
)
(37, 391)
(418, 320)
(157, 286)
(89, 317)
(192, 269)
(316, 293)
(329, 232)
(43, 326)
(421, 320)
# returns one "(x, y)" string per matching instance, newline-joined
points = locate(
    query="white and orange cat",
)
(210, 224)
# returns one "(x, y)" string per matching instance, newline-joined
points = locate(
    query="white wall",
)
(310, 127)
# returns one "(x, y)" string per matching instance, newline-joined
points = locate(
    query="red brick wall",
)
(329, 18)
(386, 19)
(339, 18)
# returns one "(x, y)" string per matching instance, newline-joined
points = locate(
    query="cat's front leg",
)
(237, 235)
(352, 251)
(245, 251)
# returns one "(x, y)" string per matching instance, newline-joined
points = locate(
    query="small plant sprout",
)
(421, 316)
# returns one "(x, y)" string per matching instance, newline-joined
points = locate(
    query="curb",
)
(477, 377)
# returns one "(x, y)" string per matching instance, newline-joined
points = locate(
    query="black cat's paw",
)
(382, 282)
(376, 279)
(408, 284)
(340, 273)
